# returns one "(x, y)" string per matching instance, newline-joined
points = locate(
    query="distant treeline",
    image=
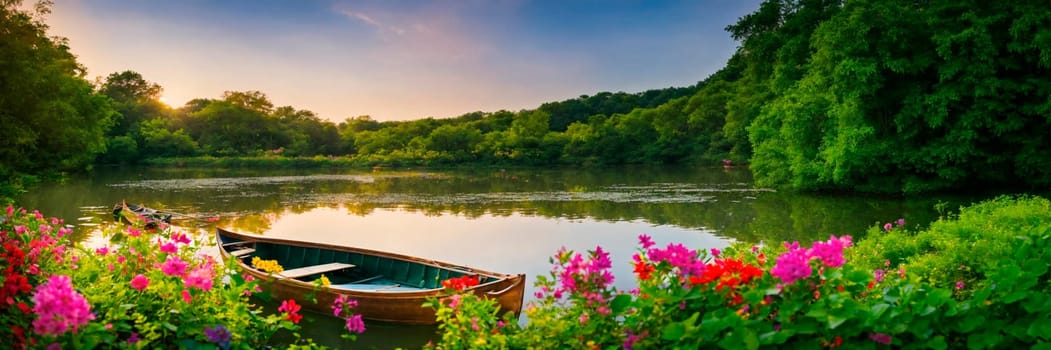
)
(870, 95)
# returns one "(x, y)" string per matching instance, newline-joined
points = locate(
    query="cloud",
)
(362, 17)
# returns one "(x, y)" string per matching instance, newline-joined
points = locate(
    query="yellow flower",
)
(270, 266)
(324, 281)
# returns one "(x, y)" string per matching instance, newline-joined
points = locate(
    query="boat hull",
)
(403, 307)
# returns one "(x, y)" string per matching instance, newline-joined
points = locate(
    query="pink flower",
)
(59, 308)
(173, 266)
(454, 301)
(10, 211)
(645, 241)
(181, 238)
(186, 296)
(120, 259)
(355, 324)
(140, 282)
(887, 226)
(200, 278)
(584, 318)
(102, 251)
(831, 252)
(132, 231)
(169, 248)
(793, 264)
(960, 285)
(716, 252)
(878, 274)
(901, 222)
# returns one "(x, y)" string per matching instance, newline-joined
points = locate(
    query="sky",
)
(399, 59)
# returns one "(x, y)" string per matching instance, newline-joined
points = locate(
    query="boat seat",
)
(242, 252)
(314, 269)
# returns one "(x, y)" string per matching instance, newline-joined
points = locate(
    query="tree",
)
(53, 120)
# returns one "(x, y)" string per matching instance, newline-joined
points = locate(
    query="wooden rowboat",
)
(388, 287)
(138, 214)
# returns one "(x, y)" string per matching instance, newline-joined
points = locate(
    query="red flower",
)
(289, 306)
(461, 283)
(644, 270)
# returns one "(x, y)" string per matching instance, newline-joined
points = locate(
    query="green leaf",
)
(620, 303)
(969, 324)
(835, 321)
(1040, 328)
(937, 343)
(673, 331)
(879, 309)
(170, 327)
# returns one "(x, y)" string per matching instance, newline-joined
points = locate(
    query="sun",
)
(164, 99)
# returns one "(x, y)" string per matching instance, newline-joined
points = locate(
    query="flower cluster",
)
(59, 308)
(588, 278)
(271, 266)
(461, 283)
(30, 245)
(795, 264)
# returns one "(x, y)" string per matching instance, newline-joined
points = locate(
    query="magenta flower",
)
(102, 251)
(59, 308)
(645, 241)
(960, 285)
(887, 226)
(792, 265)
(140, 282)
(356, 325)
(169, 248)
(716, 252)
(173, 266)
(881, 338)
(186, 296)
(831, 252)
(200, 278)
(134, 232)
(878, 274)
(901, 222)
(181, 238)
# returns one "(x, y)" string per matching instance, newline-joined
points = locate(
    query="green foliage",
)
(967, 247)
(52, 119)
(939, 95)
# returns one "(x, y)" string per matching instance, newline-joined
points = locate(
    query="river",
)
(495, 219)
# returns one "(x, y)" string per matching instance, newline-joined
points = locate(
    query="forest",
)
(873, 96)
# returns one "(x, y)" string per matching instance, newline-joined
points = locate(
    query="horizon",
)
(401, 60)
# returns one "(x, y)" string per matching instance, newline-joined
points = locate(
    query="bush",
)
(964, 248)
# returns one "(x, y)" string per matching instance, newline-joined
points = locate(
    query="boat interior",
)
(351, 271)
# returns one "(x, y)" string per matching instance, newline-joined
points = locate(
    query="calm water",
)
(507, 221)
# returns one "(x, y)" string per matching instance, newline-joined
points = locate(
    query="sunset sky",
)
(398, 60)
